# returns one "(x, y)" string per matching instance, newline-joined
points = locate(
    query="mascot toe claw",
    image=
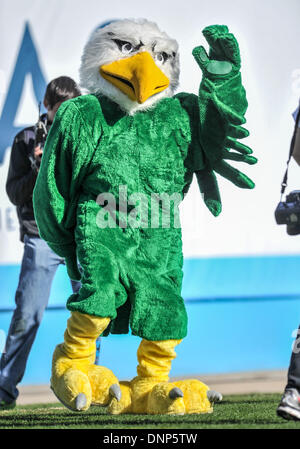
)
(115, 392)
(166, 399)
(124, 403)
(175, 393)
(214, 396)
(80, 401)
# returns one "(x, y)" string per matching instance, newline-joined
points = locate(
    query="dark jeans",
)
(38, 268)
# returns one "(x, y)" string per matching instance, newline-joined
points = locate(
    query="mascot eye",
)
(127, 48)
(161, 57)
(124, 47)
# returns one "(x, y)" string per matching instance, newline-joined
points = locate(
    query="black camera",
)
(288, 213)
(40, 139)
(40, 134)
(40, 131)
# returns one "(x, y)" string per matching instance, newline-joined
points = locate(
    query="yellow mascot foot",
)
(197, 396)
(70, 382)
(75, 380)
(148, 396)
(150, 392)
(145, 396)
(78, 383)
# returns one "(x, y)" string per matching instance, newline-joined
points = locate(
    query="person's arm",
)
(21, 176)
(67, 153)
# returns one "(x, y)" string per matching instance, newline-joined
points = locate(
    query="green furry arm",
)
(56, 191)
(222, 105)
(196, 162)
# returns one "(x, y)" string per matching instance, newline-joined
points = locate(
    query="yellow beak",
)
(137, 76)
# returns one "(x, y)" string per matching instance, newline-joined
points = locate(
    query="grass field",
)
(235, 412)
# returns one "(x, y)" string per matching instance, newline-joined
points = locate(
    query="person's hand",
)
(37, 153)
(37, 158)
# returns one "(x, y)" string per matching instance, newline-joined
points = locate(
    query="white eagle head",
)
(131, 62)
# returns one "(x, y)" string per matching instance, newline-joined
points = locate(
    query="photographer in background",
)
(289, 407)
(39, 262)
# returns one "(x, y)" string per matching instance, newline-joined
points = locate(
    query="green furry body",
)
(129, 274)
(133, 274)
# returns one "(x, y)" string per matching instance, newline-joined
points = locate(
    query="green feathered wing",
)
(222, 106)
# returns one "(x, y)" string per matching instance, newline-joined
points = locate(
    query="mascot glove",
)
(222, 105)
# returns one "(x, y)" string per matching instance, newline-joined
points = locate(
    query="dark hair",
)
(61, 89)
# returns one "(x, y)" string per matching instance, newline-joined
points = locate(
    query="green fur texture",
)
(133, 274)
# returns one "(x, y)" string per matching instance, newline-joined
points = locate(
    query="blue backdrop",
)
(242, 312)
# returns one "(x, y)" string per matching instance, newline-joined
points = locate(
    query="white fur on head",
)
(102, 49)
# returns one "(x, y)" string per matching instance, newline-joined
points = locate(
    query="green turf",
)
(235, 412)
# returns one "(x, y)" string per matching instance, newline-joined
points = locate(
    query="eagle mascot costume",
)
(114, 160)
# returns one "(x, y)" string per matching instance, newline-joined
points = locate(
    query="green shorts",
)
(133, 276)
